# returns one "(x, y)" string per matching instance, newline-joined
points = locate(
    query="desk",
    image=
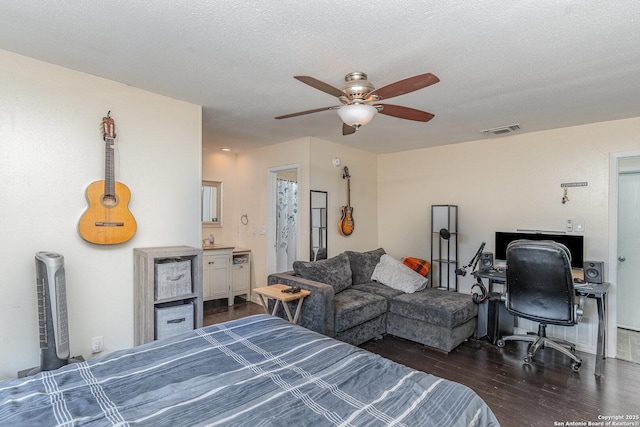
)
(598, 291)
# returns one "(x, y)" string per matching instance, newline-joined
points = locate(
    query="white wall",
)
(221, 166)
(504, 184)
(364, 199)
(251, 198)
(50, 150)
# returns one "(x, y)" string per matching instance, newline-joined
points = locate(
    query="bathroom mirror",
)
(211, 203)
(318, 225)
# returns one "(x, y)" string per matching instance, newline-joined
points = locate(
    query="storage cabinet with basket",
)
(167, 291)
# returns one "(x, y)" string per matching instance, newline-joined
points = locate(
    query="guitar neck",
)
(348, 192)
(109, 174)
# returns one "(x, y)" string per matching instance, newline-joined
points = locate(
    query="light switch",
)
(580, 225)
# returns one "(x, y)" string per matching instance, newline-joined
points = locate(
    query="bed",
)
(255, 371)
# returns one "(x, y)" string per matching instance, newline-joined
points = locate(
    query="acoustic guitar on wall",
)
(107, 220)
(346, 223)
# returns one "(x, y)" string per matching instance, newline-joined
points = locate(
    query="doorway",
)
(624, 256)
(284, 235)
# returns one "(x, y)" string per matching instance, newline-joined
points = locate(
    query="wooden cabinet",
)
(226, 274)
(216, 271)
(147, 299)
(241, 274)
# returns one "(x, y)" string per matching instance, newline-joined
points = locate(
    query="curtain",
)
(286, 214)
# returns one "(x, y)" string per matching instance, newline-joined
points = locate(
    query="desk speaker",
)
(486, 261)
(593, 271)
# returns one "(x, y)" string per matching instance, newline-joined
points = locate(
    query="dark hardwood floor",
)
(217, 311)
(544, 393)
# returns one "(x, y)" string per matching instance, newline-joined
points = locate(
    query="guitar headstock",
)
(346, 175)
(108, 127)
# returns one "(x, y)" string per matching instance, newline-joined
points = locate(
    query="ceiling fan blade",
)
(405, 86)
(405, 112)
(320, 85)
(347, 130)
(302, 113)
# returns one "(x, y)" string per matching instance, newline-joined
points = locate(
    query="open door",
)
(284, 218)
(624, 257)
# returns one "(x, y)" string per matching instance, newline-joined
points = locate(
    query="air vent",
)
(502, 130)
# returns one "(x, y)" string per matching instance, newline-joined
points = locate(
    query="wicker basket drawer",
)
(172, 278)
(173, 319)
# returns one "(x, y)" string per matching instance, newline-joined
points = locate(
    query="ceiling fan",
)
(360, 98)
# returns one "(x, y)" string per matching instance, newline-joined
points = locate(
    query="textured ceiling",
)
(543, 64)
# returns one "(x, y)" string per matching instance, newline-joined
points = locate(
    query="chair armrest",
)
(317, 312)
(579, 309)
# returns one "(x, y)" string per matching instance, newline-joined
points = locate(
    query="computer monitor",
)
(574, 243)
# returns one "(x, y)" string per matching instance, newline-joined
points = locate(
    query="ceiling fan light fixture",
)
(357, 115)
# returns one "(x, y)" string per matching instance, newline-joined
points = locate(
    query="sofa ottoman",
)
(433, 317)
(359, 316)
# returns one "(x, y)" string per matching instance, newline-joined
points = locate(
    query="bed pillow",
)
(333, 271)
(396, 275)
(363, 263)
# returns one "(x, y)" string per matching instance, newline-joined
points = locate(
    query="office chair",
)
(540, 288)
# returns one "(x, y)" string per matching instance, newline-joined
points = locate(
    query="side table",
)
(275, 292)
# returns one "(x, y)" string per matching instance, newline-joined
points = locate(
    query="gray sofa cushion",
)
(377, 289)
(333, 271)
(435, 306)
(354, 308)
(374, 328)
(363, 264)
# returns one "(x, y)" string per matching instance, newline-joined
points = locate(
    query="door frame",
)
(612, 269)
(272, 176)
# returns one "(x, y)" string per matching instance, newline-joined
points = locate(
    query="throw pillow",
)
(363, 264)
(396, 275)
(333, 271)
(418, 265)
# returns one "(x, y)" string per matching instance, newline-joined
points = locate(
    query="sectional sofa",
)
(345, 303)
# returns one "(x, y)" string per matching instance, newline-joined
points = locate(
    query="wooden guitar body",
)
(346, 223)
(107, 220)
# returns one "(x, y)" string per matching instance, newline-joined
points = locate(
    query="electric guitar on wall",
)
(107, 220)
(346, 224)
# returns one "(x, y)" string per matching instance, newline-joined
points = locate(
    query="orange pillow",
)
(418, 265)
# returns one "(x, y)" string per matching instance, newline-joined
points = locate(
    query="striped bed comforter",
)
(256, 371)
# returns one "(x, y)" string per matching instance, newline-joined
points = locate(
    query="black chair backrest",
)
(539, 282)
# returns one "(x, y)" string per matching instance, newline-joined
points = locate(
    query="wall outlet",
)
(569, 224)
(97, 344)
